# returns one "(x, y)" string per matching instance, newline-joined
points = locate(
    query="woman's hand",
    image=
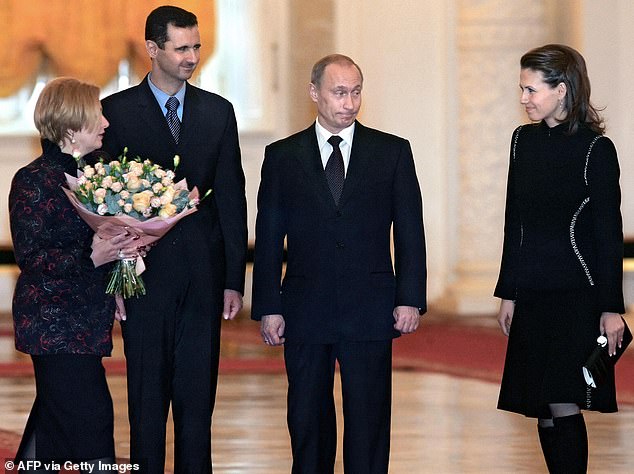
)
(505, 315)
(612, 325)
(115, 248)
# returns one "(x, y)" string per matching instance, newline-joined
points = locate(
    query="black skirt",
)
(552, 334)
(72, 417)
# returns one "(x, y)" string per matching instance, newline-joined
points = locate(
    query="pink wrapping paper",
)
(149, 231)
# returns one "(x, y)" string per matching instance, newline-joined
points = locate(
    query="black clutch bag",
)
(596, 367)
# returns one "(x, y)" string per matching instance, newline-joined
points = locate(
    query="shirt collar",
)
(161, 97)
(323, 135)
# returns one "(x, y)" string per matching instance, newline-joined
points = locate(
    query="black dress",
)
(561, 264)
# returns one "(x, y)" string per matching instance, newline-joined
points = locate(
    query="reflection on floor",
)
(441, 423)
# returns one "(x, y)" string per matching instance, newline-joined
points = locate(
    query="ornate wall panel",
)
(491, 37)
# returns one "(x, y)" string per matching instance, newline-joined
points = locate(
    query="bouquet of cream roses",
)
(135, 196)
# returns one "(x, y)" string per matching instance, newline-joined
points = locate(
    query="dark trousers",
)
(72, 416)
(172, 348)
(366, 383)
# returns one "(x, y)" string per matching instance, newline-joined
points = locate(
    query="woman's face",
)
(90, 139)
(541, 101)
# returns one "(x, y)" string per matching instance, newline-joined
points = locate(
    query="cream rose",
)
(133, 182)
(168, 210)
(141, 201)
(99, 195)
(167, 196)
(106, 182)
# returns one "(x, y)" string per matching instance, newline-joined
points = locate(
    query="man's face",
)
(338, 97)
(177, 61)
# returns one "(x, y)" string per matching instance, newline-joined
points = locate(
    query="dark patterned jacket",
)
(59, 303)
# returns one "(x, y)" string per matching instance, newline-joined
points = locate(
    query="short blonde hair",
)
(66, 104)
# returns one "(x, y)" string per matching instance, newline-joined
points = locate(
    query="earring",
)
(74, 151)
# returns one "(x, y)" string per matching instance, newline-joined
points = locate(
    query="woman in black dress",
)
(561, 273)
(62, 314)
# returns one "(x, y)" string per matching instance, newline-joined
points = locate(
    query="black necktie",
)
(172, 117)
(335, 173)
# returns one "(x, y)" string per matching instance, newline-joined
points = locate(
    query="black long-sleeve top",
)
(59, 303)
(563, 226)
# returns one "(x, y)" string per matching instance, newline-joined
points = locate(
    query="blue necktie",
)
(172, 117)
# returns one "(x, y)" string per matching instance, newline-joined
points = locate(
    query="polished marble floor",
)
(441, 424)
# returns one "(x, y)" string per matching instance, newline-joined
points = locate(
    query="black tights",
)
(564, 439)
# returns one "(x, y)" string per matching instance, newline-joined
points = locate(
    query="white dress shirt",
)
(325, 148)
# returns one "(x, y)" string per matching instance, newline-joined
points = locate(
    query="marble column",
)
(491, 37)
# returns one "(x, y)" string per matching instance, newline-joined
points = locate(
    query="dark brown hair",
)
(159, 18)
(560, 63)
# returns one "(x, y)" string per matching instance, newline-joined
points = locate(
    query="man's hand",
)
(233, 304)
(272, 329)
(407, 319)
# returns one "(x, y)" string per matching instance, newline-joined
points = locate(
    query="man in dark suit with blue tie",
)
(195, 273)
(338, 192)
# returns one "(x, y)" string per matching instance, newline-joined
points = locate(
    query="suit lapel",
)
(190, 110)
(362, 150)
(313, 167)
(151, 114)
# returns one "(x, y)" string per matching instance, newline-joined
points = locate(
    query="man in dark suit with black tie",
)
(196, 271)
(338, 192)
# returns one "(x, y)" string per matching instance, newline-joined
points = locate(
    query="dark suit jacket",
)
(340, 281)
(209, 245)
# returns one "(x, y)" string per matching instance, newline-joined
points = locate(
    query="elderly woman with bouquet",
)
(62, 314)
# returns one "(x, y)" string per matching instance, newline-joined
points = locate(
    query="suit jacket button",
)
(340, 245)
(339, 214)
